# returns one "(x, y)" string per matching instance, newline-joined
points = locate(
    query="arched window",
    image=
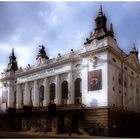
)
(41, 95)
(23, 97)
(78, 87)
(64, 89)
(78, 90)
(32, 95)
(52, 92)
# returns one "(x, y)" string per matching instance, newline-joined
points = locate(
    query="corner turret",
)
(12, 65)
(100, 30)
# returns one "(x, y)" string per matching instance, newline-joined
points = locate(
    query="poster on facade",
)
(95, 80)
(4, 96)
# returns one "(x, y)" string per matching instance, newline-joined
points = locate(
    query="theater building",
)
(96, 88)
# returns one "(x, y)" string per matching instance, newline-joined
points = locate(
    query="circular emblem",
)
(94, 81)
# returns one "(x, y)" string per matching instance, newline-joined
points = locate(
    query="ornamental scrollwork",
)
(93, 60)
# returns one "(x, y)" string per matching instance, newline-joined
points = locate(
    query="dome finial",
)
(100, 10)
(100, 13)
(13, 52)
(134, 46)
(111, 27)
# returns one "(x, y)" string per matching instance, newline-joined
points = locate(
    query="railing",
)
(7, 74)
(51, 61)
(71, 55)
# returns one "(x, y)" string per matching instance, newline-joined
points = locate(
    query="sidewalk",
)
(29, 134)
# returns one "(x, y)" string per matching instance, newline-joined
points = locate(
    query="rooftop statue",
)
(42, 52)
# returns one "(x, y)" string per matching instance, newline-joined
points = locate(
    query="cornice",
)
(87, 53)
(47, 66)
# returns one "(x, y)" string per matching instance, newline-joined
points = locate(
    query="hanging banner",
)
(95, 80)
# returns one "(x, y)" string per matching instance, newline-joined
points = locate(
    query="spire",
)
(111, 32)
(12, 56)
(134, 47)
(111, 27)
(100, 29)
(13, 51)
(100, 13)
(134, 50)
(12, 65)
(100, 8)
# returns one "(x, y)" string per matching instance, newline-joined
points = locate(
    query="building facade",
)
(95, 88)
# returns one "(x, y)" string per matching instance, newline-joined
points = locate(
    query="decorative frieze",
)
(51, 79)
(76, 74)
(63, 77)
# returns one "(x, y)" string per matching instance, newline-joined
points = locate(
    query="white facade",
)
(120, 78)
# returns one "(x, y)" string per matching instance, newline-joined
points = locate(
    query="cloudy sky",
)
(60, 26)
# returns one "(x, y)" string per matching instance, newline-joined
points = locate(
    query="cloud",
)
(60, 26)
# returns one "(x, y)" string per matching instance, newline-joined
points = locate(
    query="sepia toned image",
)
(69, 69)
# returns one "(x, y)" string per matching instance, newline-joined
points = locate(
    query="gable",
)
(133, 61)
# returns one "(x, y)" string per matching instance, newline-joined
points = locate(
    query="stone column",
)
(70, 89)
(27, 95)
(85, 81)
(36, 96)
(46, 93)
(10, 98)
(58, 91)
(18, 98)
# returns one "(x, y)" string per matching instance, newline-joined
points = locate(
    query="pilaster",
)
(46, 93)
(70, 89)
(27, 94)
(58, 91)
(18, 98)
(36, 91)
(10, 102)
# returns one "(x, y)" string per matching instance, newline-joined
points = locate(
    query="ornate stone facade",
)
(64, 82)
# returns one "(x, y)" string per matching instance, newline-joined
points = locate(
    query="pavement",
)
(29, 134)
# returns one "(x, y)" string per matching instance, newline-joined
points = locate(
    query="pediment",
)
(132, 60)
